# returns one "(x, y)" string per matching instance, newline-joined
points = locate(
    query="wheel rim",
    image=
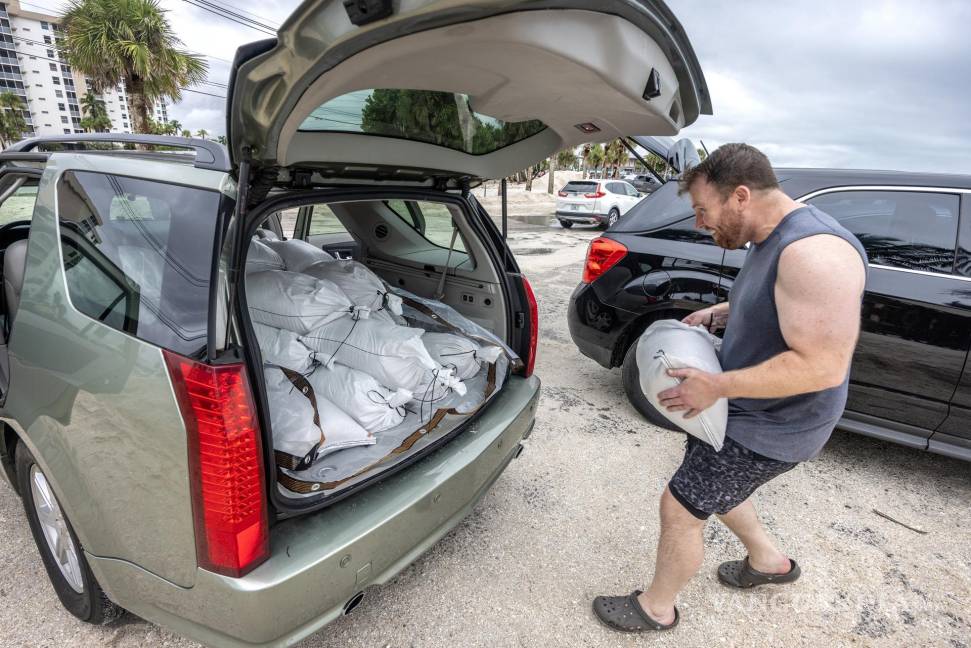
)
(612, 219)
(54, 526)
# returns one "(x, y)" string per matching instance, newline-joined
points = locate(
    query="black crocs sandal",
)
(740, 574)
(624, 613)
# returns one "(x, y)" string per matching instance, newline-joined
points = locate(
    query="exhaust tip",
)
(353, 602)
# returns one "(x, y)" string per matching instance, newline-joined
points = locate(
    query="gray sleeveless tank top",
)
(794, 428)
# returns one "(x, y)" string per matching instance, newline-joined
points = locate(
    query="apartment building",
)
(32, 68)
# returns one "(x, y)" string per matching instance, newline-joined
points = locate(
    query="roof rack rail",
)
(209, 154)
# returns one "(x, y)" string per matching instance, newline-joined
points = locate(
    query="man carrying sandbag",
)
(791, 324)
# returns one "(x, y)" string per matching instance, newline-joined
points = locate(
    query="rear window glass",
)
(660, 209)
(138, 255)
(440, 118)
(580, 187)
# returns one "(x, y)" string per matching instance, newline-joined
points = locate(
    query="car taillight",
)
(562, 194)
(533, 327)
(225, 464)
(603, 254)
(600, 193)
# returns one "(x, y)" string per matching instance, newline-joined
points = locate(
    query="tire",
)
(566, 224)
(612, 218)
(90, 605)
(632, 387)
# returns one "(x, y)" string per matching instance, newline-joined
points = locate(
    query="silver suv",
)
(135, 418)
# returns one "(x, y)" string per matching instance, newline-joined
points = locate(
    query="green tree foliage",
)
(202, 133)
(131, 41)
(95, 113)
(595, 156)
(441, 118)
(12, 122)
(615, 156)
(566, 159)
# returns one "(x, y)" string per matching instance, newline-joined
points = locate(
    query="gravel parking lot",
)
(576, 516)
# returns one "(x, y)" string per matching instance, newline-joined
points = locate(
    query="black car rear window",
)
(138, 255)
(580, 187)
(660, 209)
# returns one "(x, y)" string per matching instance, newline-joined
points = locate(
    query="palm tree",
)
(222, 140)
(130, 40)
(96, 117)
(186, 132)
(12, 123)
(615, 155)
(176, 127)
(595, 156)
(203, 133)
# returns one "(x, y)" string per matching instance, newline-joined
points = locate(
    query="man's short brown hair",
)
(730, 166)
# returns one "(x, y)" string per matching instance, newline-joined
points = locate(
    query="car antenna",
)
(702, 142)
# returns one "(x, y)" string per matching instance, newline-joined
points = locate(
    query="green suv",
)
(136, 422)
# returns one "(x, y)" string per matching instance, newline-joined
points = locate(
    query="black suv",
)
(909, 382)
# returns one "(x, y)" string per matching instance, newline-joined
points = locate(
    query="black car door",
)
(916, 320)
(953, 437)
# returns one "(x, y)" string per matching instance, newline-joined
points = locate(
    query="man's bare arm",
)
(818, 291)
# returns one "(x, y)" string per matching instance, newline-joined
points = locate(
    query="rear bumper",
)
(581, 217)
(318, 562)
(594, 326)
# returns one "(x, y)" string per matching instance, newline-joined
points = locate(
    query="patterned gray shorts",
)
(716, 482)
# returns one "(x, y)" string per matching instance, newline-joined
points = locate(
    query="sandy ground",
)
(576, 516)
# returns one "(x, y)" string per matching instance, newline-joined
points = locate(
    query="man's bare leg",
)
(763, 555)
(680, 551)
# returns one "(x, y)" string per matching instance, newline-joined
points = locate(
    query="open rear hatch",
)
(443, 94)
(508, 84)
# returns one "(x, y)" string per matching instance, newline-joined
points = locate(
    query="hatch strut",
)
(440, 293)
(233, 272)
(641, 160)
(502, 201)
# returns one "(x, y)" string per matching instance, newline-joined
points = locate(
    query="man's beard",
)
(728, 235)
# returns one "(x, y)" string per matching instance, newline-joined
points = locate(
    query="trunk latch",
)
(362, 12)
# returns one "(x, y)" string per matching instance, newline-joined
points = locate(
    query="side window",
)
(288, 222)
(616, 188)
(324, 221)
(19, 205)
(901, 229)
(437, 224)
(631, 191)
(138, 255)
(430, 219)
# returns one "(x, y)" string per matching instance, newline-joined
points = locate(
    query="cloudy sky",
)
(824, 83)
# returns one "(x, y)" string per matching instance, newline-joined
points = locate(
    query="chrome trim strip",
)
(820, 192)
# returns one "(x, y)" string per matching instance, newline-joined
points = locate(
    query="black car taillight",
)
(602, 255)
(226, 475)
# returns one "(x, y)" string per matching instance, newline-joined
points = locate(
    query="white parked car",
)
(600, 202)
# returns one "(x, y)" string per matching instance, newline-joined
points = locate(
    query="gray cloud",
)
(871, 84)
(830, 83)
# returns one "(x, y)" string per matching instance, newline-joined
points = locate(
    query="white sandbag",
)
(298, 254)
(291, 417)
(261, 257)
(437, 385)
(282, 347)
(364, 288)
(460, 353)
(394, 355)
(374, 406)
(670, 344)
(295, 301)
(292, 421)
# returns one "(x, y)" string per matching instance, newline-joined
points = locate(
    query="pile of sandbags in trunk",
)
(337, 325)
